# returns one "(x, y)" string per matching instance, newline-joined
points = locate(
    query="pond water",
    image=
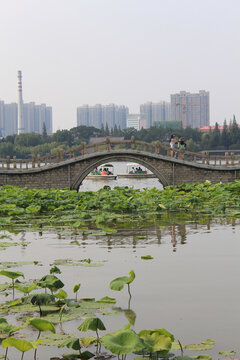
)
(120, 167)
(190, 287)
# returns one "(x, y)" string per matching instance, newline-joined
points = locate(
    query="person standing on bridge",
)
(181, 143)
(172, 141)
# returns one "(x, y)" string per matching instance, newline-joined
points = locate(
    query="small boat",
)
(135, 171)
(104, 172)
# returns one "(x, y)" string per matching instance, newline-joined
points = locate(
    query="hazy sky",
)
(75, 52)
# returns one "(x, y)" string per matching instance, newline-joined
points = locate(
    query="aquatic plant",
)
(158, 340)
(50, 282)
(42, 299)
(76, 287)
(12, 275)
(118, 283)
(20, 344)
(122, 342)
(93, 324)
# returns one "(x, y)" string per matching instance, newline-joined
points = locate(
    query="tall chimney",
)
(20, 104)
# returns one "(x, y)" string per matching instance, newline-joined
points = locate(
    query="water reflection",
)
(185, 287)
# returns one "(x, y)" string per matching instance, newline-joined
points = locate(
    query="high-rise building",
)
(102, 115)
(33, 118)
(192, 110)
(134, 121)
(154, 112)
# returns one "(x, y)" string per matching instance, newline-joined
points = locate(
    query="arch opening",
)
(96, 162)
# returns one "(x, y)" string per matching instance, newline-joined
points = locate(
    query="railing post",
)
(20, 162)
(57, 156)
(157, 147)
(38, 160)
(108, 145)
(132, 142)
(33, 161)
(14, 162)
(26, 164)
(203, 157)
(8, 162)
(61, 155)
(232, 158)
(83, 148)
(208, 157)
(226, 158)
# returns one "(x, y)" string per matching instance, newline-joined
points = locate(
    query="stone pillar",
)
(8, 162)
(132, 142)
(108, 145)
(33, 161)
(14, 162)
(38, 160)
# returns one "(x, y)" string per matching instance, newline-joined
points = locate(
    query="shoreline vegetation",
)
(122, 207)
(26, 145)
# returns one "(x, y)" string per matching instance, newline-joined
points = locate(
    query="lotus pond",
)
(120, 272)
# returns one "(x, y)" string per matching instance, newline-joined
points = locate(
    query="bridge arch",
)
(97, 161)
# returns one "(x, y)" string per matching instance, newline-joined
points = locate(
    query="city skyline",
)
(123, 52)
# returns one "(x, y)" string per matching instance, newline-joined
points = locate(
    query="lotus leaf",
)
(92, 324)
(227, 353)
(61, 294)
(76, 287)
(154, 341)
(122, 342)
(51, 282)
(52, 339)
(19, 344)
(86, 341)
(198, 347)
(42, 299)
(107, 299)
(147, 257)
(84, 355)
(55, 270)
(26, 289)
(11, 274)
(118, 283)
(42, 325)
(72, 343)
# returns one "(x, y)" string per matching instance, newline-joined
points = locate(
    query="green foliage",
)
(122, 342)
(118, 283)
(155, 341)
(42, 325)
(19, 344)
(11, 274)
(92, 324)
(73, 343)
(51, 282)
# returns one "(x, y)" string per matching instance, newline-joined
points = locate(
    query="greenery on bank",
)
(26, 145)
(110, 209)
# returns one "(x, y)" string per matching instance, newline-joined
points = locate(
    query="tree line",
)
(27, 144)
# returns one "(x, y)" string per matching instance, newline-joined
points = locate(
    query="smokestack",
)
(20, 104)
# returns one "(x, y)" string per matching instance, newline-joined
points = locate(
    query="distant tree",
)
(115, 131)
(214, 140)
(107, 132)
(44, 133)
(234, 132)
(225, 136)
(27, 139)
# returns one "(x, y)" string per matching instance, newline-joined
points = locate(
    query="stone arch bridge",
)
(68, 169)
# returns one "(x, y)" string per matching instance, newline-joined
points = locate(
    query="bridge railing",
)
(229, 159)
